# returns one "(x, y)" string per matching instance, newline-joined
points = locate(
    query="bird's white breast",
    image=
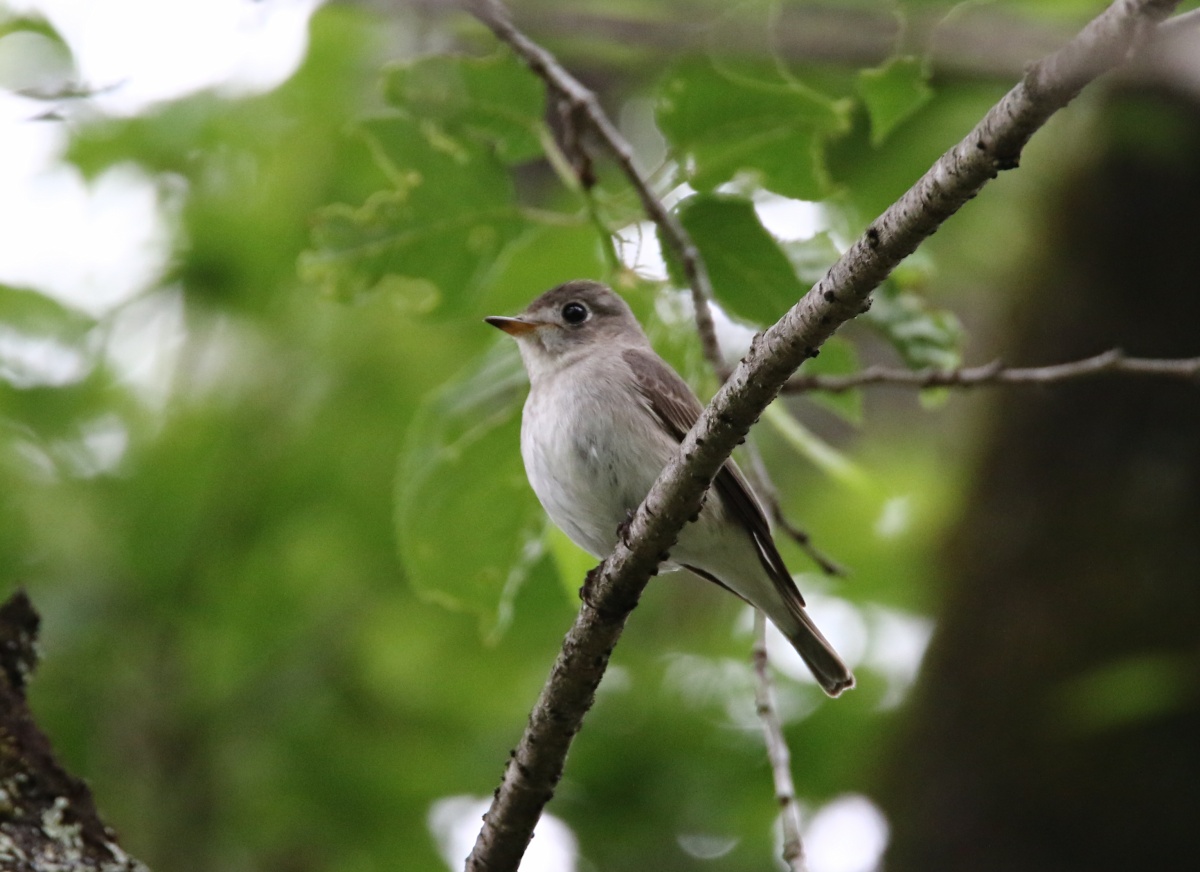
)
(592, 449)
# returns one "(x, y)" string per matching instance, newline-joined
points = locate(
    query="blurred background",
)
(258, 454)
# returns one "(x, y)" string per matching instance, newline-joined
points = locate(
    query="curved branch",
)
(995, 373)
(614, 587)
(584, 108)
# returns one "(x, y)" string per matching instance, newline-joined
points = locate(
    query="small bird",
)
(603, 417)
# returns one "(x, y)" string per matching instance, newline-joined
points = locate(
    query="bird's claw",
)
(623, 527)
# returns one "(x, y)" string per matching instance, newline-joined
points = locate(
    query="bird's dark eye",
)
(574, 313)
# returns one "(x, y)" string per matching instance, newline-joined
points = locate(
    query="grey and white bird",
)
(603, 417)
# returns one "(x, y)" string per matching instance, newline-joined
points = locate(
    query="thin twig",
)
(583, 107)
(777, 750)
(995, 373)
(614, 587)
(765, 488)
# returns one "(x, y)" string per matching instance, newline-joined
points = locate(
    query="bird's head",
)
(569, 322)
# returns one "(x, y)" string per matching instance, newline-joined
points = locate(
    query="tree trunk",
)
(1057, 721)
(48, 822)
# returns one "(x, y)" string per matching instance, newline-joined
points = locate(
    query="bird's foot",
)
(623, 527)
(589, 585)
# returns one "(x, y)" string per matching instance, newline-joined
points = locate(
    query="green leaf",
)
(544, 256)
(36, 314)
(468, 525)
(837, 357)
(811, 258)
(724, 121)
(892, 93)
(432, 238)
(871, 175)
(751, 276)
(925, 336)
(21, 24)
(495, 100)
(35, 60)
(816, 450)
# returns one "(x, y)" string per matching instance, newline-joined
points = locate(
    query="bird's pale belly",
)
(586, 471)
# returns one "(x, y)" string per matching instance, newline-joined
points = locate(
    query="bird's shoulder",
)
(664, 390)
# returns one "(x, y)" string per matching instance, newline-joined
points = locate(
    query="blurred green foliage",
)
(311, 593)
(726, 120)
(892, 93)
(751, 276)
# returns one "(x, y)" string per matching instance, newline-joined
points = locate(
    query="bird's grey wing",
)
(674, 404)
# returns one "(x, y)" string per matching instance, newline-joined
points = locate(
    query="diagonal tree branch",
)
(995, 373)
(614, 587)
(584, 109)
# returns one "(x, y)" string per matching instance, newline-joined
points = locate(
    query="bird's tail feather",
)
(827, 667)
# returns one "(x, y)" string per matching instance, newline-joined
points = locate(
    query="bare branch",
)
(613, 588)
(765, 488)
(584, 108)
(777, 750)
(995, 373)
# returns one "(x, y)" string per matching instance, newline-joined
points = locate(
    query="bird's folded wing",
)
(676, 407)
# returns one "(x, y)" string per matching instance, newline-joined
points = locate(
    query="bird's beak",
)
(512, 326)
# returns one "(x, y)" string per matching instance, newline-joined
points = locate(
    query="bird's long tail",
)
(827, 667)
(788, 614)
